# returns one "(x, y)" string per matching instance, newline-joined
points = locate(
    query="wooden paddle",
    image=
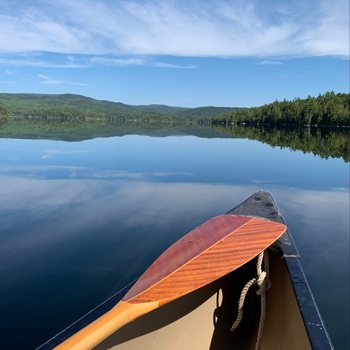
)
(205, 254)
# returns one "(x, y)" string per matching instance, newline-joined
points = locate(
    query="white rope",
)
(263, 282)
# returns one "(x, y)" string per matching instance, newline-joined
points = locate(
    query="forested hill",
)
(198, 112)
(77, 106)
(329, 109)
(204, 112)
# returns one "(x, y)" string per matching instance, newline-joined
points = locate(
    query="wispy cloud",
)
(108, 61)
(135, 61)
(273, 63)
(71, 61)
(9, 82)
(195, 28)
(161, 174)
(49, 81)
(176, 66)
(42, 60)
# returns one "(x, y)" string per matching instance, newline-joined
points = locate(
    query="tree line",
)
(329, 109)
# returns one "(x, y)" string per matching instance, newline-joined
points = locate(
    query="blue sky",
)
(177, 52)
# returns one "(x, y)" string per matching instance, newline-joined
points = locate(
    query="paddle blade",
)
(205, 254)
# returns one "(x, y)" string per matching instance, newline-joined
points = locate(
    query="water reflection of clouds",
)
(47, 224)
(40, 195)
(112, 174)
(322, 218)
(86, 202)
(59, 210)
(319, 221)
(313, 207)
(37, 216)
(258, 181)
(54, 152)
(45, 171)
(81, 172)
(116, 174)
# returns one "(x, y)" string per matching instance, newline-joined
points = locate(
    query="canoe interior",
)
(202, 319)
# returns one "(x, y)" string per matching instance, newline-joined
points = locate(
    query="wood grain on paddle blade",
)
(210, 251)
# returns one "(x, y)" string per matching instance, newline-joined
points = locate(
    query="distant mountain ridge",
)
(160, 108)
(71, 105)
(206, 111)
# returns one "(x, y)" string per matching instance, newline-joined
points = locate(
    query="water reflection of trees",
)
(323, 142)
(77, 129)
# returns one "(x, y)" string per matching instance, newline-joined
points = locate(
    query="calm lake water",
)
(80, 220)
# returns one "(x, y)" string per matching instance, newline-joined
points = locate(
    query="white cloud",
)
(135, 61)
(169, 65)
(9, 82)
(192, 28)
(268, 62)
(161, 174)
(329, 33)
(33, 61)
(108, 61)
(49, 81)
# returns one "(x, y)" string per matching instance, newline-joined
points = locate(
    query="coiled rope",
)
(264, 283)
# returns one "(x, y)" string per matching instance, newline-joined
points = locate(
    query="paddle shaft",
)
(100, 329)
